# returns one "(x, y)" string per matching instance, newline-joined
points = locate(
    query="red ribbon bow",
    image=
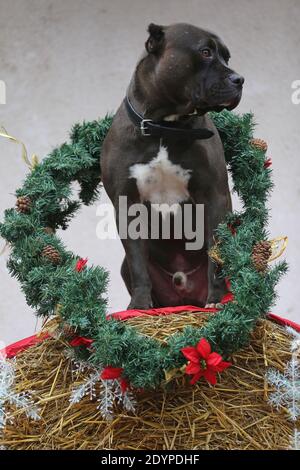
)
(268, 163)
(81, 341)
(112, 373)
(203, 362)
(233, 226)
(81, 264)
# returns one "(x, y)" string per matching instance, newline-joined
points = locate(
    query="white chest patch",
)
(161, 181)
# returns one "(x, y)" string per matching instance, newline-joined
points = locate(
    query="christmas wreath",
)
(57, 282)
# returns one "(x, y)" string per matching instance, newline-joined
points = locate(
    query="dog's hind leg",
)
(126, 275)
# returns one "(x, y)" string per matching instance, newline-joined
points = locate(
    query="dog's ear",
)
(156, 39)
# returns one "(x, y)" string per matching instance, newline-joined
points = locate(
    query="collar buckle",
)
(144, 129)
(150, 128)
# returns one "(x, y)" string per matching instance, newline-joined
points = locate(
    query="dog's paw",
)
(140, 302)
(216, 294)
(217, 305)
(139, 305)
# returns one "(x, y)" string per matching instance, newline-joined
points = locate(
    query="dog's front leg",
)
(136, 261)
(215, 214)
(216, 206)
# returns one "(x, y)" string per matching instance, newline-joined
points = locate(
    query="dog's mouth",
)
(232, 103)
(228, 103)
(203, 107)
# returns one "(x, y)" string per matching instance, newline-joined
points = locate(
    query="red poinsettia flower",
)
(203, 362)
(81, 264)
(111, 373)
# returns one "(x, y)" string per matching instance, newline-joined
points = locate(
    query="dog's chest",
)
(160, 181)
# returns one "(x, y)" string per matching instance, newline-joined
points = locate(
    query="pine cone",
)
(23, 204)
(68, 330)
(260, 144)
(49, 230)
(51, 254)
(260, 255)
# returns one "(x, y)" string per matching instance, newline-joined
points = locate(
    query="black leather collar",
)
(150, 128)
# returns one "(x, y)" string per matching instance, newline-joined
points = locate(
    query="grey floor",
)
(68, 60)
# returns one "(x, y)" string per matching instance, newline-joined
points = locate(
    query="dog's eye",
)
(206, 53)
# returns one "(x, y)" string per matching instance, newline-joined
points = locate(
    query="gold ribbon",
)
(174, 373)
(31, 163)
(278, 246)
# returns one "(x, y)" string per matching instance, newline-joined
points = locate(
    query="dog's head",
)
(188, 67)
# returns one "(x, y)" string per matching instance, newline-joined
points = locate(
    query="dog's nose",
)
(236, 79)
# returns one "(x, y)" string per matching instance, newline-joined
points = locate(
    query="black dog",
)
(162, 148)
